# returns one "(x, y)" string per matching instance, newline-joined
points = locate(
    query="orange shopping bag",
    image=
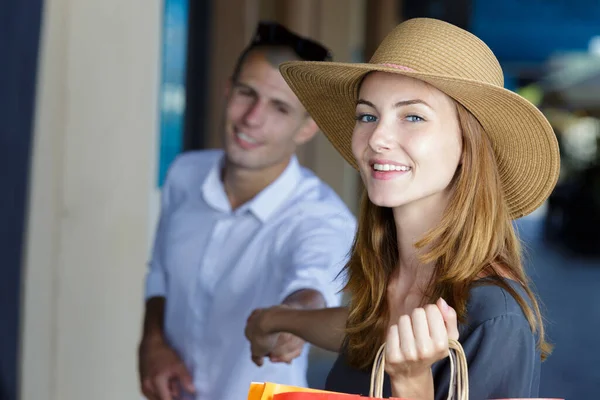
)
(268, 391)
(459, 382)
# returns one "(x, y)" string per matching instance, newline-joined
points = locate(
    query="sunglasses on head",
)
(274, 34)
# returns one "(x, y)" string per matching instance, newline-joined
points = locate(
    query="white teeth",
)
(390, 167)
(246, 138)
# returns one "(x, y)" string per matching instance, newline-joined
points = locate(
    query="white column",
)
(93, 171)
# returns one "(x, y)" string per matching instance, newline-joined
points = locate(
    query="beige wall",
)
(341, 28)
(94, 163)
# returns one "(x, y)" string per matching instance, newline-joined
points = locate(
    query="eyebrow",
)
(242, 85)
(398, 104)
(275, 101)
(281, 103)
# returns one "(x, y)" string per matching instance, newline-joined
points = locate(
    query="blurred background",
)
(97, 98)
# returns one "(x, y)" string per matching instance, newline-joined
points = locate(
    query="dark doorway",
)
(197, 71)
(19, 42)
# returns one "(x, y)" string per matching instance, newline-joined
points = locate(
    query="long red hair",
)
(474, 238)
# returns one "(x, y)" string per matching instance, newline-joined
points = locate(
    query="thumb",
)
(258, 360)
(186, 380)
(450, 319)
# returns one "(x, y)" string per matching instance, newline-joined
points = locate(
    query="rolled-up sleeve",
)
(156, 276)
(317, 250)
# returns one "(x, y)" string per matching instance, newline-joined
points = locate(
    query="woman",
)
(448, 158)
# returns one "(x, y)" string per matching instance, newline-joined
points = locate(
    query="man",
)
(241, 229)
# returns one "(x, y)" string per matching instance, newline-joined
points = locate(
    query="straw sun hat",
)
(460, 65)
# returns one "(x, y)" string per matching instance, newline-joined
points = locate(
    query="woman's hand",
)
(262, 342)
(268, 342)
(414, 344)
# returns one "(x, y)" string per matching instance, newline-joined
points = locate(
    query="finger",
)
(258, 360)
(161, 387)
(283, 346)
(420, 327)
(186, 380)
(286, 344)
(294, 355)
(392, 346)
(150, 396)
(148, 389)
(408, 346)
(437, 329)
(450, 318)
(288, 357)
(252, 314)
(174, 388)
(256, 357)
(275, 358)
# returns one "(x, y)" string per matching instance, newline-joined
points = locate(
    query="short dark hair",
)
(274, 35)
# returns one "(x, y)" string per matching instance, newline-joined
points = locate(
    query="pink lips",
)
(244, 144)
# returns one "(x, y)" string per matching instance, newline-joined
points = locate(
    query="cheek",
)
(359, 142)
(359, 146)
(435, 150)
(236, 110)
(421, 148)
(281, 130)
(453, 150)
(446, 161)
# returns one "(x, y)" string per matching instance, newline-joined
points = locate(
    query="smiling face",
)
(264, 120)
(406, 141)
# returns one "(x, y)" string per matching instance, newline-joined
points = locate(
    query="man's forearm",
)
(154, 319)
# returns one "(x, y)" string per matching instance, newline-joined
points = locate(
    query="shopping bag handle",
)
(459, 375)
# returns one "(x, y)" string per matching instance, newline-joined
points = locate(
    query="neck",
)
(242, 184)
(413, 221)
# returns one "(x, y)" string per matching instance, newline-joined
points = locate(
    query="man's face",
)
(264, 120)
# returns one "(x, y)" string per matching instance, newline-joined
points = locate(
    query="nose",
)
(380, 139)
(256, 113)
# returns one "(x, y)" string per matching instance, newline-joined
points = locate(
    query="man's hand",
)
(262, 342)
(287, 348)
(278, 346)
(162, 372)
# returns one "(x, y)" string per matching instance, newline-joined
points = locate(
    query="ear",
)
(306, 131)
(228, 88)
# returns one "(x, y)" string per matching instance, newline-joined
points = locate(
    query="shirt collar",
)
(265, 203)
(213, 190)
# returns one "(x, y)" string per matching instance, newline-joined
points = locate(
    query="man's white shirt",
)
(216, 265)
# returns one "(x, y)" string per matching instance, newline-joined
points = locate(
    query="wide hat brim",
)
(525, 144)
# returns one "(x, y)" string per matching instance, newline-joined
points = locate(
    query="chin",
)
(240, 161)
(382, 200)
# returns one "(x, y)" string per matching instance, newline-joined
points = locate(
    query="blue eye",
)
(366, 118)
(414, 118)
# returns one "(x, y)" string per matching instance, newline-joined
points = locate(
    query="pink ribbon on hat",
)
(397, 66)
